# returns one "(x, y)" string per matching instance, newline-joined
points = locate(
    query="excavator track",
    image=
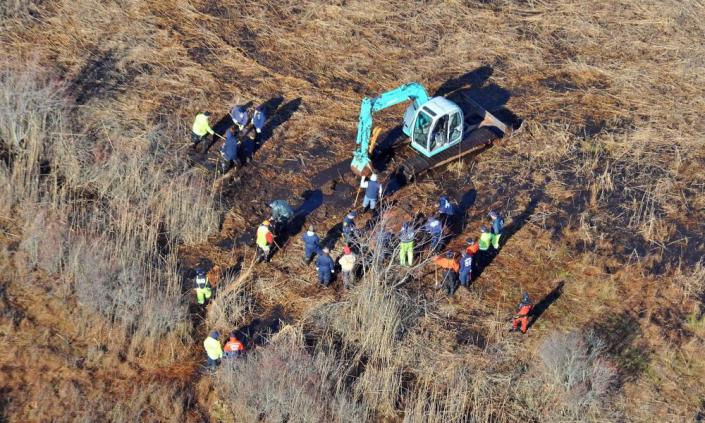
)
(479, 137)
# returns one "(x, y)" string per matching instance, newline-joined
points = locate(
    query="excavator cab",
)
(437, 125)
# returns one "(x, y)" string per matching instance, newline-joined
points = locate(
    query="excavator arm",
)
(412, 91)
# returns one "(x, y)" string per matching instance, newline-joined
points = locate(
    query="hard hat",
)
(265, 222)
(483, 229)
(442, 200)
(310, 228)
(492, 214)
(525, 298)
(347, 250)
(215, 334)
(200, 272)
(470, 241)
(373, 177)
(207, 113)
(352, 214)
(233, 334)
(326, 250)
(449, 254)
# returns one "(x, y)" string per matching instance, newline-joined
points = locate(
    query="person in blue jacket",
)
(228, 151)
(497, 227)
(349, 226)
(435, 228)
(325, 267)
(446, 209)
(239, 116)
(311, 245)
(258, 121)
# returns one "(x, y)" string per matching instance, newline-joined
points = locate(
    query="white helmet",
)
(373, 177)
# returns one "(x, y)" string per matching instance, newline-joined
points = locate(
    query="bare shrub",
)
(284, 383)
(577, 366)
(44, 240)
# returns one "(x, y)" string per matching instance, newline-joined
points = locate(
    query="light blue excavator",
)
(436, 126)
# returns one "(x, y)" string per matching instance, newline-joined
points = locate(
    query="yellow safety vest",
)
(213, 348)
(262, 232)
(484, 241)
(201, 126)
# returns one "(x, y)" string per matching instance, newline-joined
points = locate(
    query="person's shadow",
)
(312, 200)
(543, 305)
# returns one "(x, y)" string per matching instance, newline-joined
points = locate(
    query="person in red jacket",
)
(233, 347)
(472, 247)
(522, 314)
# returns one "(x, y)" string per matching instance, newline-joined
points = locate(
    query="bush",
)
(576, 365)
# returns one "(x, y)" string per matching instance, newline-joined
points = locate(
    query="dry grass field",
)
(103, 217)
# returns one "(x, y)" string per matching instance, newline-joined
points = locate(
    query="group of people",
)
(458, 268)
(237, 146)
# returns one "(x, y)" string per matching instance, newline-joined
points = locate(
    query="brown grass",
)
(102, 222)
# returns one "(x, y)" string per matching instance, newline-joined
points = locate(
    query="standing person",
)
(233, 347)
(347, 265)
(406, 245)
(265, 240)
(435, 228)
(373, 192)
(311, 245)
(522, 314)
(349, 226)
(450, 277)
(228, 151)
(258, 120)
(472, 247)
(200, 128)
(239, 116)
(203, 287)
(325, 267)
(465, 273)
(497, 227)
(446, 210)
(485, 239)
(214, 352)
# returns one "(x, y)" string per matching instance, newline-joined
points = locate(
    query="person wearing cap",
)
(325, 267)
(203, 287)
(406, 245)
(373, 192)
(435, 228)
(465, 272)
(265, 239)
(349, 226)
(311, 244)
(521, 317)
(446, 210)
(214, 352)
(496, 229)
(233, 347)
(472, 248)
(347, 264)
(258, 120)
(485, 239)
(200, 128)
(228, 151)
(239, 116)
(450, 276)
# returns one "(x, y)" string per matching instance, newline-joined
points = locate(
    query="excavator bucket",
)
(362, 165)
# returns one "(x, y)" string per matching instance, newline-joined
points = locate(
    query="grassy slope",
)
(608, 171)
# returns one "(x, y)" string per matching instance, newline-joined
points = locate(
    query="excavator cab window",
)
(439, 135)
(456, 128)
(422, 127)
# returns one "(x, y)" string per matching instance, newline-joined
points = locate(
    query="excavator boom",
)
(414, 91)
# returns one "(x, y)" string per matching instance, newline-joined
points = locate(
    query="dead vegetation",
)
(102, 221)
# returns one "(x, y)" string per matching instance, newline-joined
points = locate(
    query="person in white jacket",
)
(347, 264)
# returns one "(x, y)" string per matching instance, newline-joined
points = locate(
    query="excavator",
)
(437, 127)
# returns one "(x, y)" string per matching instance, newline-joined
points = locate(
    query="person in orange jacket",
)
(522, 314)
(452, 267)
(233, 347)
